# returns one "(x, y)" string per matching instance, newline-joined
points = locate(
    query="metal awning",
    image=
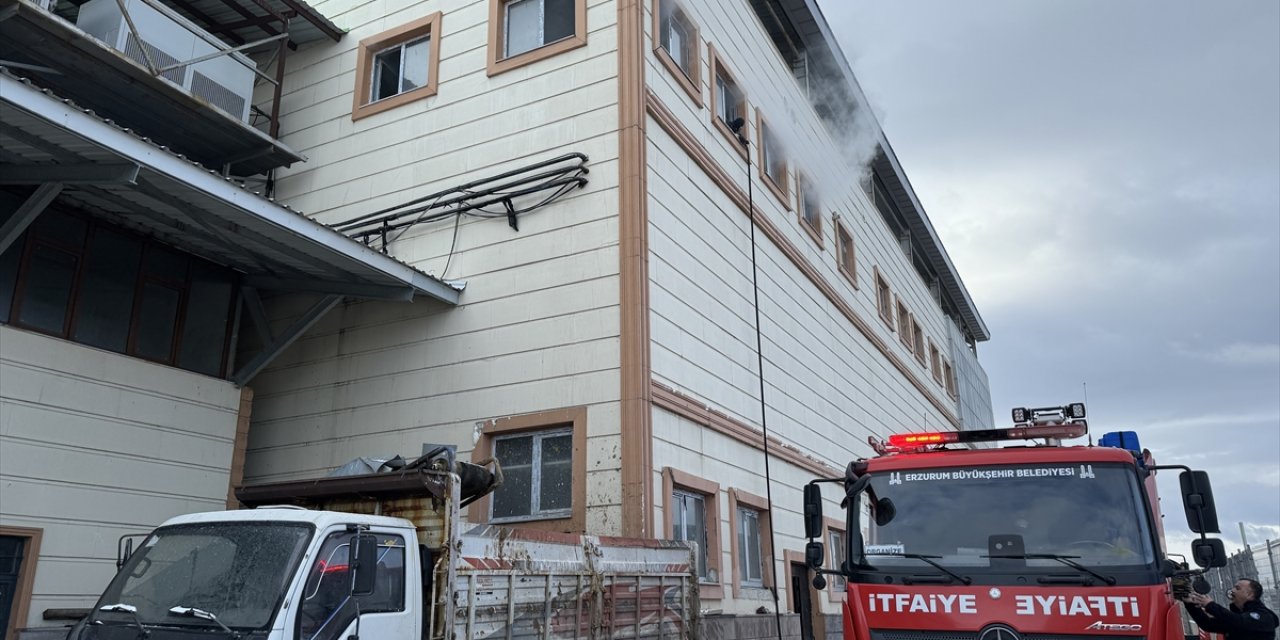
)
(45, 140)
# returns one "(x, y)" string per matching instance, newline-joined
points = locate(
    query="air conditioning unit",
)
(226, 81)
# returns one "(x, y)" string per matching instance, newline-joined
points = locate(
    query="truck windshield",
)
(237, 571)
(998, 516)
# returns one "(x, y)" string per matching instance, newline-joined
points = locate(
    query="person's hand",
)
(1199, 599)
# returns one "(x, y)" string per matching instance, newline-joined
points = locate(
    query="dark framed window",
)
(530, 24)
(96, 284)
(884, 299)
(539, 471)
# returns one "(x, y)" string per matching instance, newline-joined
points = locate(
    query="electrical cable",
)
(764, 425)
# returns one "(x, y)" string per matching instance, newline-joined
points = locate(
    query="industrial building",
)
(656, 256)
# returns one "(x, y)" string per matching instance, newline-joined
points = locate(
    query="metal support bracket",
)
(257, 314)
(27, 212)
(511, 213)
(286, 338)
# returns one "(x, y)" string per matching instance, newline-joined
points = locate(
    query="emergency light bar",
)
(917, 440)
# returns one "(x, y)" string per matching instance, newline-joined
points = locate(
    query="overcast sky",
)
(1106, 177)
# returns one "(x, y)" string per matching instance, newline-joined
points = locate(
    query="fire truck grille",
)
(896, 634)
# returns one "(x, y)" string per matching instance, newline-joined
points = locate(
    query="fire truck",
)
(1009, 534)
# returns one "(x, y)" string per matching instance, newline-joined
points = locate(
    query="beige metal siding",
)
(95, 445)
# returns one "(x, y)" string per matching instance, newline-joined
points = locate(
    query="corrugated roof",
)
(187, 205)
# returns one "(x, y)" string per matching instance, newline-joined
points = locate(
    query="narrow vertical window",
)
(904, 325)
(935, 362)
(917, 342)
(884, 299)
(835, 540)
(846, 254)
(750, 558)
(810, 209)
(676, 44)
(728, 104)
(690, 525)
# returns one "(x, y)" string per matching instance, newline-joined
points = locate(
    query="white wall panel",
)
(94, 445)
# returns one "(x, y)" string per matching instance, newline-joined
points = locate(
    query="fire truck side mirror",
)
(813, 513)
(1209, 552)
(1197, 501)
(814, 555)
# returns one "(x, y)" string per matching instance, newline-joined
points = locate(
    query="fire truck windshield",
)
(1002, 517)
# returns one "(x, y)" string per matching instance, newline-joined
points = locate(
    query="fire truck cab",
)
(1033, 540)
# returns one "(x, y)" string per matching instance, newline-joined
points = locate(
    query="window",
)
(322, 614)
(846, 253)
(539, 471)
(728, 103)
(949, 377)
(884, 299)
(772, 161)
(836, 551)
(689, 523)
(810, 211)
(751, 532)
(692, 510)
(543, 458)
(677, 46)
(750, 563)
(98, 285)
(398, 66)
(917, 340)
(19, 549)
(526, 31)
(904, 325)
(935, 364)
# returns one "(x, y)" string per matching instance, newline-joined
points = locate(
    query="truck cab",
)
(1033, 540)
(264, 573)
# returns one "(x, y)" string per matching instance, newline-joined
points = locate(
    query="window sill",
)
(814, 234)
(688, 84)
(497, 66)
(385, 104)
(850, 276)
(729, 135)
(779, 192)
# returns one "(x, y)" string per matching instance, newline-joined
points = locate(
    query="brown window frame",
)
(803, 186)
(781, 191)
(760, 505)
(673, 479)
(846, 260)
(30, 239)
(917, 339)
(499, 63)
(949, 376)
(574, 418)
(25, 587)
(884, 297)
(935, 361)
(362, 104)
(903, 315)
(691, 82)
(719, 68)
(834, 594)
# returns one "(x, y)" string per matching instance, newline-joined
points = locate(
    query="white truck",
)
(381, 557)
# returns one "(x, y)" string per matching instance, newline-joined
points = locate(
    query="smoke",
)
(851, 122)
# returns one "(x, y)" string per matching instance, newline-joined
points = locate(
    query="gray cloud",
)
(1106, 177)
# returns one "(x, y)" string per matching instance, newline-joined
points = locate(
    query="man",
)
(1247, 619)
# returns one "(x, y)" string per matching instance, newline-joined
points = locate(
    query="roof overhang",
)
(113, 173)
(818, 38)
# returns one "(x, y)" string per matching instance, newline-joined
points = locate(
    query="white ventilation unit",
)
(225, 82)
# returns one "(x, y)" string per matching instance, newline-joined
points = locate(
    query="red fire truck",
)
(1036, 540)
